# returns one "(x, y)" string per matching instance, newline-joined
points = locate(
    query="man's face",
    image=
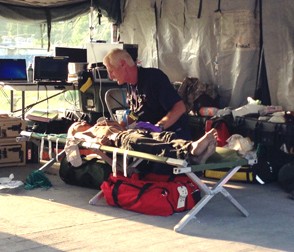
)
(117, 74)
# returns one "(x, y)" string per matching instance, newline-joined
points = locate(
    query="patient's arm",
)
(100, 133)
(84, 136)
(110, 123)
(77, 127)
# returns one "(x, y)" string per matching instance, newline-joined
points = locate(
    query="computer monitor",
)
(75, 55)
(132, 49)
(97, 51)
(48, 68)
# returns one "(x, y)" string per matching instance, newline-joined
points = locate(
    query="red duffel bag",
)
(149, 196)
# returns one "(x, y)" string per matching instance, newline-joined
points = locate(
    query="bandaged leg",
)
(72, 152)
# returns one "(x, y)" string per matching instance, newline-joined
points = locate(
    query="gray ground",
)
(60, 219)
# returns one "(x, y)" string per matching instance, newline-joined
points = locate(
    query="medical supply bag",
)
(152, 197)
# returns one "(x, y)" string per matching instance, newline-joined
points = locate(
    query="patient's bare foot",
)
(209, 151)
(198, 147)
(201, 159)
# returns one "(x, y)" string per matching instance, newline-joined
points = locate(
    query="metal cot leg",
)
(209, 194)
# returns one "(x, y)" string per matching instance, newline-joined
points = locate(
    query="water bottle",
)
(30, 73)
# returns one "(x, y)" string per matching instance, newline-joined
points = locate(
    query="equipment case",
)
(264, 132)
(12, 153)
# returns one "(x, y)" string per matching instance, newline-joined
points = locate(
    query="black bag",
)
(90, 174)
(271, 134)
(264, 171)
(273, 158)
(286, 177)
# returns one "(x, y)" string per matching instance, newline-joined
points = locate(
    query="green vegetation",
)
(72, 33)
(29, 39)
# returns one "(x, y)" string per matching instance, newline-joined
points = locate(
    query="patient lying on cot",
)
(158, 143)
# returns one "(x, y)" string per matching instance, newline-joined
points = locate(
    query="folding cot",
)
(223, 158)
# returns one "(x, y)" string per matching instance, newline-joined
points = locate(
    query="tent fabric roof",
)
(57, 10)
(47, 3)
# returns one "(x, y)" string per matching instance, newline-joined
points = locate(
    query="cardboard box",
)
(12, 153)
(11, 126)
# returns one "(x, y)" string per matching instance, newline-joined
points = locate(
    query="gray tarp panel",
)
(139, 27)
(219, 47)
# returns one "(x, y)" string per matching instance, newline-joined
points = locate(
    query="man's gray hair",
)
(115, 56)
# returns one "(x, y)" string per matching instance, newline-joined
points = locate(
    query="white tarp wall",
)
(278, 35)
(218, 47)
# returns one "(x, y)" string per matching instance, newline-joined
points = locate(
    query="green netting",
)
(37, 179)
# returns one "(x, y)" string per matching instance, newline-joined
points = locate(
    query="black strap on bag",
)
(115, 192)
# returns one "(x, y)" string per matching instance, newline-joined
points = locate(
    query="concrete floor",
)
(60, 219)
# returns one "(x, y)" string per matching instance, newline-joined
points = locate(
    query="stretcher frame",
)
(222, 159)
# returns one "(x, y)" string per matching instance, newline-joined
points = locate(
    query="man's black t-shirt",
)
(153, 97)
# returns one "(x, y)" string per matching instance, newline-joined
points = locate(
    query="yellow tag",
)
(86, 85)
(133, 116)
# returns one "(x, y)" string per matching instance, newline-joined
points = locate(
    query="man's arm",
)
(173, 115)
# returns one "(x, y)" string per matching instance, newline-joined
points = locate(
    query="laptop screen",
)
(13, 70)
(48, 68)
